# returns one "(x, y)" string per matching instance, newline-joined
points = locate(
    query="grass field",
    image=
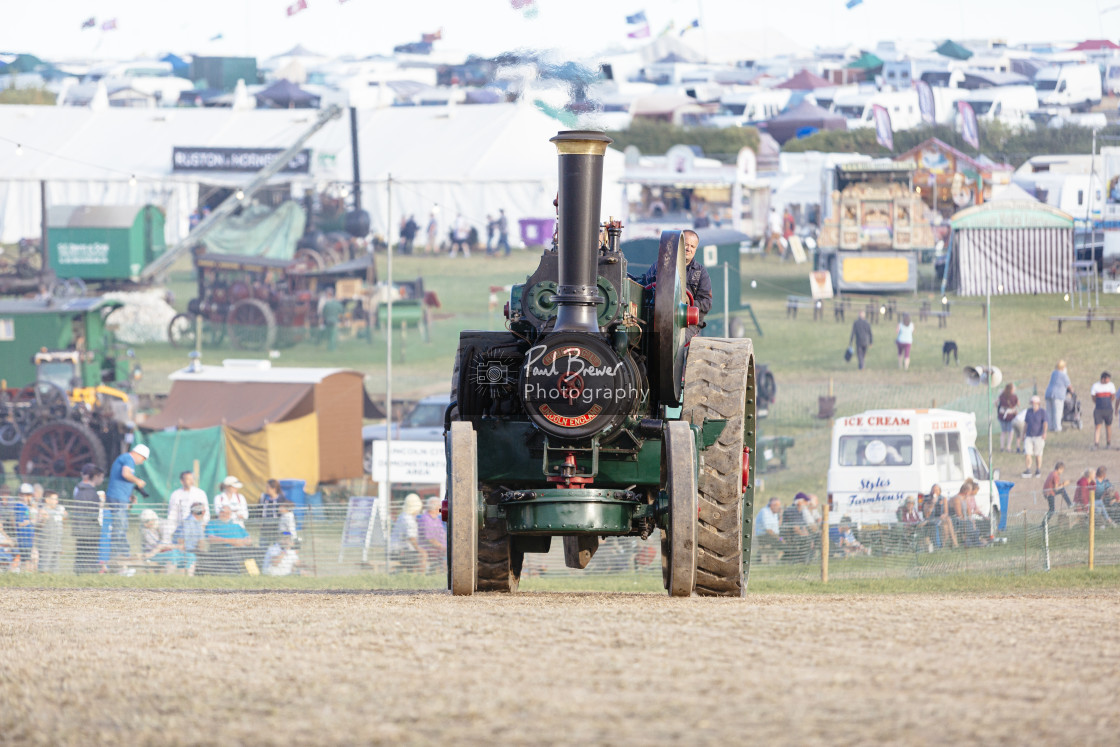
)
(805, 356)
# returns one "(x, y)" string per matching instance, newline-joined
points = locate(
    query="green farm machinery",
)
(595, 416)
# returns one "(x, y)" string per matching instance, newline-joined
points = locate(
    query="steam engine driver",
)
(696, 280)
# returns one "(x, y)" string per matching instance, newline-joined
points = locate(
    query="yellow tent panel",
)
(281, 451)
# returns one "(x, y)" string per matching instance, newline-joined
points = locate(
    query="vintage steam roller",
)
(593, 416)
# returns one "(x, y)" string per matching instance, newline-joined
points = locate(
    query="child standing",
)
(49, 534)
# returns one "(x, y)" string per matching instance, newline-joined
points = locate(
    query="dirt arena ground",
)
(151, 667)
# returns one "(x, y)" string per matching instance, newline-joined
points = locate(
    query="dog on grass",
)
(949, 348)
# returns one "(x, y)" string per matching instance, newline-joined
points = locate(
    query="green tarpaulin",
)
(259, 232)
(950, 48)
(866, 61)
(174, 452)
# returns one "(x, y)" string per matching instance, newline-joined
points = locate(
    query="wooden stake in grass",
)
(824, 543)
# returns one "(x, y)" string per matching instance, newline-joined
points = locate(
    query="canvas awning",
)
(805, 81)
(950, 48)
(246, 406)
(866, 61)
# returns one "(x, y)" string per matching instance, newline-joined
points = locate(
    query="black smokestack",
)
(580, 198)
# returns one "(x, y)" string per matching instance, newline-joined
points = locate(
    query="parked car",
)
(422, 423)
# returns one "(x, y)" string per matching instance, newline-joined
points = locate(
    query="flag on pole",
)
(432, 37)
(925, 102)
(89, 23)
(694, 25)
(883, 132)
(639, 33)
(852, 3)
(296, 7)
(217, 37)
(639, 17)
(110, 25)
(970, 132)
(519, 4)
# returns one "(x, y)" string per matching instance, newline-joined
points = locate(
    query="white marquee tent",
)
(465, 159)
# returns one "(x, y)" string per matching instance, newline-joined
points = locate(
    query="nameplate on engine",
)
(570, 422)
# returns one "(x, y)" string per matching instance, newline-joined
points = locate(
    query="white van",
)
(1077, 86)
(882, 457)
(1011, 105)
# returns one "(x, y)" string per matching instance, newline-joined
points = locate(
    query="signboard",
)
(90, 253)
(820, 284)
(359, 513)
(236, 159)
(413, 461)
(1110, 211)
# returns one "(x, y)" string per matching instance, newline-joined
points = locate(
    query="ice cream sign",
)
(877, 421)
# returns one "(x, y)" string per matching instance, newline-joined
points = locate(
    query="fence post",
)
(1046, 541)
(1092, 528)
(1026, 546)
(824, 543)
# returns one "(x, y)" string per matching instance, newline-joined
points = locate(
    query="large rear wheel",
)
(719, 384)
(462, 509)
(60, 449)
(252, 325)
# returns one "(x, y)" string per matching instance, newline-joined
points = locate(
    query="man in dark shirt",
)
(87, 532)
(1034, 436)
(861, 337)
(697, 281)
(795, 531)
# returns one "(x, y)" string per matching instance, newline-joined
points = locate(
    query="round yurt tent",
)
(1020, 246)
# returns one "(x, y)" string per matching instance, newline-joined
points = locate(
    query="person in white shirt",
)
(1103, 393)
(239, 507)
(180, 502)
(281, 559)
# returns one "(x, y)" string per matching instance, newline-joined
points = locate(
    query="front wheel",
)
(462, 510)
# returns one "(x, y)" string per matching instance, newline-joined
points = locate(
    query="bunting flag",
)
(639, 33)
(110, 25)
(296, 7)
(970, 131)
(883, 132)
(519, 4)
(433, 37)
(694, 25)
(925, 102)
(639, 17)
(89, 23)
(852, 3)
(667, 30)
(217, 37)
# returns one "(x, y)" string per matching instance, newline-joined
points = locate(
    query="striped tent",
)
(1011, 247)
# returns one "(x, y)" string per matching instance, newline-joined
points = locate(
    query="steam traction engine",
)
(583, 420)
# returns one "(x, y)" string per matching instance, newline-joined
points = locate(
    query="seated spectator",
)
(269, 507)
(768, 527)
(1105, 498)
(940, 522)
(48, 536)
(282, 559)
(226, 541)
(1055, 486)
(959, 509)
(154, 550)
(795, 531)
(404, 540)
(811, 512)
(910, 524)
(230, 496)
(286, 521)
(847, 543)
(433, 536)
(1083, 495)
(7, 550)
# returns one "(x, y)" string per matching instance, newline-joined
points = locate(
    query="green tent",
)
(174, 452)
(866, 61)
(19, 63)
(950, 48)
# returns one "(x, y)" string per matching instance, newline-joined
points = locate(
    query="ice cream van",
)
(882, 457)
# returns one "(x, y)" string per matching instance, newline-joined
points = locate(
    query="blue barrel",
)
(293, 491)
(1004, 489)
